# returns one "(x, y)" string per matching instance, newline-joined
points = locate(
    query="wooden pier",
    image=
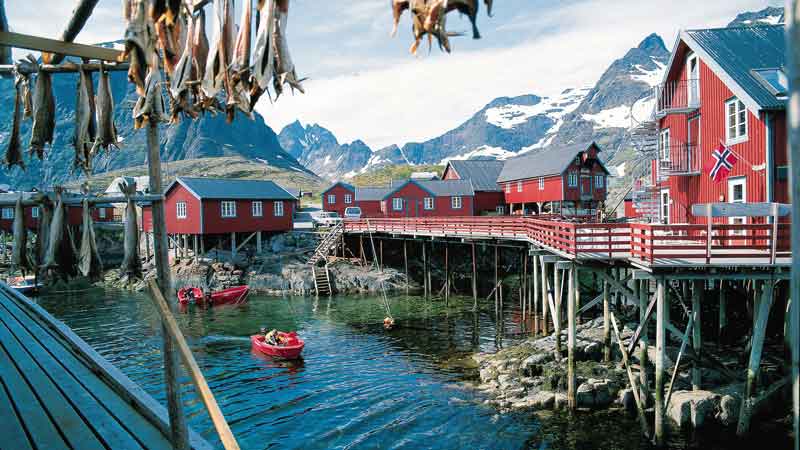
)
(57, 392)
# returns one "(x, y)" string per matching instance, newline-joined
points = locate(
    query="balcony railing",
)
(677, 97)
(683, 159)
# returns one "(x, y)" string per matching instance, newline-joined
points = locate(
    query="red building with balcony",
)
(722, 86)
(483, 174)
(567, 180)
(338, 197)
(430, 198)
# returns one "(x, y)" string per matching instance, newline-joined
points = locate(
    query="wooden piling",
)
(425, 287)
(661, 337)
(430, 266)
(644, 296)
(723, 313)
(524, 285)
(405, 261)
(571, 312)
(696, 335)
(535, 299)
(557, 312)
(545, 295)
(756, 347)
(474, 280)
(792, 18)
(446, 276)
(606, 324)
(233, 245)
(258, 242)
(194, 247)
(361, 250)
(496, 281)
(380, 249)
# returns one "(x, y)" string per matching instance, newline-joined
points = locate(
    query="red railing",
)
(647, 243)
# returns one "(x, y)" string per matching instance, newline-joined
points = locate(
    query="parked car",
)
(352, 212)
(327, 219)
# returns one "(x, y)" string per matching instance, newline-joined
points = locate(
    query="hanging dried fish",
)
(284, 67)
(44, 114)
(150, 107)
(239, 96)
(398, 7)
(199, 46)
(106, 130)
(264, 55)
(467, 7)
(131, 263)
(169, 26)
(14, 149)
(216, 74)
(27, 96)
(139, 41)
(85, 125)
(5, 51)
(43, 236)
(179, 87)
(19, 258)
(89, 262)
(488, 4)
(56, 233)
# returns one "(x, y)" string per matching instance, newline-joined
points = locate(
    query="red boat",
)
(234, 295)
(290, 350)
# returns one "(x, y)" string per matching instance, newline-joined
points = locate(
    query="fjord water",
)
(357, 385)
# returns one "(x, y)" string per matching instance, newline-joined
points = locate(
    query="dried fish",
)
(179, 88)
(89, 262)
(398, 6)
(106, 130)
(216, 74)
(139, 42)
(5, 51)
(131, 263)
(488, 4)
(239, 95)
(19, 256)
(42, 239)
(467, 7)
(85, 125)
(27, 96)
(199, 46)
(44, 114)
(14, 150)
(150, 107)
(284, 67)
(60, 252)
(264, 55)
(170, 30)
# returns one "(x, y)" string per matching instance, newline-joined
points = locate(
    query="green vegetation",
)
(384, 175)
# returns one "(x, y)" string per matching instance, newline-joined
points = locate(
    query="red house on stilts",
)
(483, 174)
(338, 197)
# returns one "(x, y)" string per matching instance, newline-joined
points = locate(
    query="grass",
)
(385, 175)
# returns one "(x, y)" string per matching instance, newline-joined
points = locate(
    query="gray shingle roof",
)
(737, 52)
(444, 188)
(340, 183)
(228, 188)
(552, 161)
(482, 172)
(371, 193)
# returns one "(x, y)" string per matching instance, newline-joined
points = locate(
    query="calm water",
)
(357, 385)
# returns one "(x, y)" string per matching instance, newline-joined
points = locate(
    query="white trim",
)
(739, 138)
(661, 205)
(664, 138)
(519, 186)
(348, 199)
(732, 182)
(232, 212)
(35, 212)
(541, 183)
(397, 204)
(690, 100)
(425, 203)
(257, 212)
(7, 213)
(455, 202)
(277, 208)
(178, 208)
(331, 199)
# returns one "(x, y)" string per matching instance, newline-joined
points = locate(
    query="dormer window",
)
(774, 80)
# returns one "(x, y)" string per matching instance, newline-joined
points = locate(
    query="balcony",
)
(682, 160)
(677, 97)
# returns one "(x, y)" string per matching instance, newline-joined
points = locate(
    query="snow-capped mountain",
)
(319, 150)
(770, 15)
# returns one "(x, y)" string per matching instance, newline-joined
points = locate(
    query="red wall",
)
(488, 201)
(530, 190)
(191, 224)
(340, 205)
(450, 174)
(370, 208)
(147, 219)
(630, 211)
(74, 216)
(414, 206)
(214, 223)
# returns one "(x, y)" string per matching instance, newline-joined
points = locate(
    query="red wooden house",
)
(369, 200)
(722, 87)
(566, 180)
(430, 198)
(216, 206)
(99, 212)
(338, 197)
(483, 174)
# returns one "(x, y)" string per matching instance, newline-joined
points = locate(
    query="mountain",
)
(208, 136)
(770, 15)
(319, 151)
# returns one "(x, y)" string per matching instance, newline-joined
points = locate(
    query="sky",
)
(363, 84)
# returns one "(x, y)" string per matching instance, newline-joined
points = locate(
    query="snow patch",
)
(618, 117)
(651, 77)
(509, 116)
(482, 151)
(619, 170)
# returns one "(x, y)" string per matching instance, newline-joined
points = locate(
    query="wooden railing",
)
(644, 242)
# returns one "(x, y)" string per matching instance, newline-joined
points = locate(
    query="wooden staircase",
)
(328, 242)
(322, 281)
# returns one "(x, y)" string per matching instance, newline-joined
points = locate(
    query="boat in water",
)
(231, 296)
(290, 348)
(24, 285)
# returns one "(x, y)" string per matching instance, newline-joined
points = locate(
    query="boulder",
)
(584, 396)
(728, 413)
(532, 365)
(693, 407)
(627, 400)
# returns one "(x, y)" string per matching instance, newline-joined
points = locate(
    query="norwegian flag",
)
(722, 162)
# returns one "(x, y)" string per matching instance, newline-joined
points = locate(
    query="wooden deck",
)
(56, 392)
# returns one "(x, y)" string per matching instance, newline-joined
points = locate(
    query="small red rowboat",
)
(290, 350)
(230, 296)
(190, 294)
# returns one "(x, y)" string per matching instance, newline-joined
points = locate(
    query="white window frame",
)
(428, 203)
(599, 181)
(663, 145)
(278, 208)
(35, 212)
(665, 208)
(101, 213)
(500, 209)
(348, 198)
(397, 204)
(180, 210)
(692, 81)
(508, 187)
(519, 186)
(257, 208)
(739, 110)
(331, 199)
(455, 202)
(227, 208)
(541, 183)
(8, 213)
(732, 183)
(572, 179)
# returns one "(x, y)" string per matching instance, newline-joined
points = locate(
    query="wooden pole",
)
(425, 287)
(557, 312)
(430, 267)
(380, 249)
(233, 245)
(644, 294)
(496, 281)
(545, 295)
(606, 324)
(81, 13)
(792, 18)
(446, 275)
(571, 300)
(199, 381)
(524, 295)
(661, 336)
(696, 335)
(405, 261)
(535, 299)
(361, 250)
(723, 319)
(179, 435)
(577, 296)
(194, 247)
(258, 242)
(474, 280)
(640, 401)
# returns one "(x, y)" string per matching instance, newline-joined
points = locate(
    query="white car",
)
(327, 219)
(353, 212)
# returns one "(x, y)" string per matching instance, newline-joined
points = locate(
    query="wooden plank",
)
(14, 434)
(762, 209)
(19, 40)
(81, 13)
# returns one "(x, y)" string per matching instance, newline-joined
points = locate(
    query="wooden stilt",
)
(430, 266)
(644, 294)
(571, 310)
(233, 245)
(405, 260)
(545, 295)
(258, 242)
(194, 247)
(380, 249)
(447, 275)
(147, 245)
(496, 281)
(696, 342)
(759, 332)
(202, 245)
(661, 336)
(474, 280)
(361, 250)
(557, 312)
(792, 18)
(606, 324)
(723, 313)
(524, 293)
(577, 296)
(535, 299)
(425, 287)
(640, 401)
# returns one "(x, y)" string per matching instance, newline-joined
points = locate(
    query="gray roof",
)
(552, 161)
(294, 192)
(441, 188)
(733, 54)
(482, 172)
(340, 183)
(371, 193)
(235, 189)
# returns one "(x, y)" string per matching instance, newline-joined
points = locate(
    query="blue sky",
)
(365, 85)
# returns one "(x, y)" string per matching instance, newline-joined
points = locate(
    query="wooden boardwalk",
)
(56, 392)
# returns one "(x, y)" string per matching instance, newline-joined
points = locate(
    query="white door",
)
(693, 80)
(737, 193)
(665, 205)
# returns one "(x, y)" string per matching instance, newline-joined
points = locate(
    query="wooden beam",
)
(81, 13)
(696, 335)
(767, 274)
(792, 17)
(640, 405)
(684, 341)
(618, 285)
(642, 324)
(661, 342)
(78, 200)
(644, 293)
(239, 247)
(45, 45)
(196, 375)
(27, 68)
(571, 300)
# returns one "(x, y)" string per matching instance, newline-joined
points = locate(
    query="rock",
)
(488, 373)
(532, 365)
(728, 410)
(692, 407)
(627, 400)
(602, 394)
(584, 396)
(560, 400)
(543, 399)
(504, 380)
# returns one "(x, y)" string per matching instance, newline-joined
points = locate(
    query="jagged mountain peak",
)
(317, 149)
(652, 44)
(771, 15)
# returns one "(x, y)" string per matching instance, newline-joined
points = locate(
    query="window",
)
(428, 203)
(541, 183)
(519, 186)
(331, 199)
(663, 145)
(665, 204)
(257, 208)
(735, 121)
(455, 202)
(508, 188)
(500, 209)
(228, 208)
(348, 198)
(773, 79)
(599, 181)
(383, 205)
(397, 204)
(180, 210)
(101, 213)
(737, 193)
(572, 179)
(693, 80)
(278, 209)
(35, 212)
(8, 213)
